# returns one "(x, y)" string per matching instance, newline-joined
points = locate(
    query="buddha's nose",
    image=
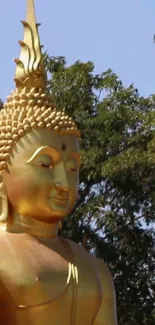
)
(60, 178)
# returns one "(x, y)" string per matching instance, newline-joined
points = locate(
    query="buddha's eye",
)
(44, 161)
(71, 165)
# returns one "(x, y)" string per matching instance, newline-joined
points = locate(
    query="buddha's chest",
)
(35, 274)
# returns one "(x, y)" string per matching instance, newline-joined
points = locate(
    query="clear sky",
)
(115, 34)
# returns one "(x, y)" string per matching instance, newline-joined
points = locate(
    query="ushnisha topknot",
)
(30, 105)
(30, 71)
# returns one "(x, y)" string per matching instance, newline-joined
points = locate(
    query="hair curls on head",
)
(30, 105)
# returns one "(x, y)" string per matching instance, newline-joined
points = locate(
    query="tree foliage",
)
(115, 211)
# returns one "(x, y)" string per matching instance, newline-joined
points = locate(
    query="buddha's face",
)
(42, 177)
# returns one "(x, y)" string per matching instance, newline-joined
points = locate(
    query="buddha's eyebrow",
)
(44, 151)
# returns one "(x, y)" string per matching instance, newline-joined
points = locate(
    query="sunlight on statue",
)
(41, 180)
(44, 279)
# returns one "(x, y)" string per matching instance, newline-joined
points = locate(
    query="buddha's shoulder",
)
(84, 256)
(77, 249)
(99, 266)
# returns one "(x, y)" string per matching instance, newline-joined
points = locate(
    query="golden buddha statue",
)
(44, 279)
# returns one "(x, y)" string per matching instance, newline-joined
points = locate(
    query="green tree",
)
(115, 211)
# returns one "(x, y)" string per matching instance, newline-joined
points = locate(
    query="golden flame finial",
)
(30, 71)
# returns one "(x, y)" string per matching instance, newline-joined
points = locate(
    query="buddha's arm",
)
(107, 311)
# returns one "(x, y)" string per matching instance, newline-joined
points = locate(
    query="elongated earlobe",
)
(3, 205)
(60, 226)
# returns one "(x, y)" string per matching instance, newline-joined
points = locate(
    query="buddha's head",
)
(39, 146)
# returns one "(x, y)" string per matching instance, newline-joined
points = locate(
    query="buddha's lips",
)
(60, 200)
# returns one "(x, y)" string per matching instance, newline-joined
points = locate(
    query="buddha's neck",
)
(20, 224)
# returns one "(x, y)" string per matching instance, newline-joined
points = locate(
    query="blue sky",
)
(112, 34)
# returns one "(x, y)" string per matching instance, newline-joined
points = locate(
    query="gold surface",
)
(28, 109)
(30, 106)
(30, 70)
(44, 279)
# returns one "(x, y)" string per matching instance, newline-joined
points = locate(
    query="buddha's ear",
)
(3, 203)
(60, 226)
